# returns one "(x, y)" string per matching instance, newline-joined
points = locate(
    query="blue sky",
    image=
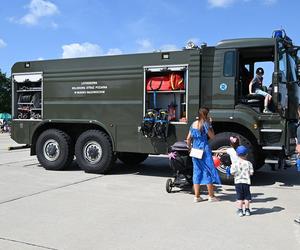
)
(50, 29)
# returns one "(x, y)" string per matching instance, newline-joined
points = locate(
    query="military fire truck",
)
(129, 106)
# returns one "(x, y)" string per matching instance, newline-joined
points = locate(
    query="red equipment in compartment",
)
(173, 81)
(176, 81)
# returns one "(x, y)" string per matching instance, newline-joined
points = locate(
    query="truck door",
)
(224, 79)
(282, 84)
(288, 88)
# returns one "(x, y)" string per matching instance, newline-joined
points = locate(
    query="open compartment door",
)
(27, 96)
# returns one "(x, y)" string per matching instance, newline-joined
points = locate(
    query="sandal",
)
(198, 199)
(213, 199)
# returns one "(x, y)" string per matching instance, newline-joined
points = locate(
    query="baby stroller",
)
(182, 166)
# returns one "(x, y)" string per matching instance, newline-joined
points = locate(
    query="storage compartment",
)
(166, 88)
(27, 96)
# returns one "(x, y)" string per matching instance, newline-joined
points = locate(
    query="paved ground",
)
(130, 209)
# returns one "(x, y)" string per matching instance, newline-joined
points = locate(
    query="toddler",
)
(242, 170)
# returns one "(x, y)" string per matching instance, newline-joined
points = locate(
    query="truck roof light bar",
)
(281, 35)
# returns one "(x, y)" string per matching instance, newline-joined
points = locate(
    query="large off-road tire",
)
(221, 141)
(93, 151)
(132, 159)
(54, 150)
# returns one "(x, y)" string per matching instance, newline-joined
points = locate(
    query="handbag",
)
(196, 153)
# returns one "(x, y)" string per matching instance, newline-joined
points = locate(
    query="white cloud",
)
(226, 3)
(54, 25)
(145, 45)
(220, 3)
(114, 51)
(270, 2)
(88, 49)
(40, 59)
(2, 44)
(168, 47)
(37, 10)
(81, 50)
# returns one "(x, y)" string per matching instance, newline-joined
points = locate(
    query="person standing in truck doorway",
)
(204, 171)
(255, 87)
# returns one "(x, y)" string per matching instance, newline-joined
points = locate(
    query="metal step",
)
(269, 130)
(272, 147)
(271, 161)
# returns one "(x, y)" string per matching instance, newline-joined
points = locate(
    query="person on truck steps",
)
(255, 87)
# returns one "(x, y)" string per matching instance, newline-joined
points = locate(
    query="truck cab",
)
(234, 109)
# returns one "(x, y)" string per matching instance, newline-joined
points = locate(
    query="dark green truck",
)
(93, 107)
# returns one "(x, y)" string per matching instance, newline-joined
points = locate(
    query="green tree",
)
(5, 93)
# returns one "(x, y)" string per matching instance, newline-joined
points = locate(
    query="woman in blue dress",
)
(204, 171)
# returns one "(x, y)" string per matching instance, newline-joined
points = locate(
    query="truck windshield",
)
(287, 65)
(293, 68)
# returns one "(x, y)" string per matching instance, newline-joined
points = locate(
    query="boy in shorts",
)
(242, 170)
(255, 87)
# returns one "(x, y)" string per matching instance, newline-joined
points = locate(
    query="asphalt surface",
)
(130, 209)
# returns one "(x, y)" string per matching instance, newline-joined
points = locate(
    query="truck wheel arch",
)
(220, 127)
(223, 127)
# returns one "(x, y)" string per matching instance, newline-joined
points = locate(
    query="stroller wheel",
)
(169, 185)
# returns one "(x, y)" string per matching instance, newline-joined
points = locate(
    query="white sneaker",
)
(267, 111)
(247, 212)
(198, 199)
(240, 212)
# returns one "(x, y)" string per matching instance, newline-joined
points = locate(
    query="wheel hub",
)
(51, 150)
(92, 152)
(222, 168)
